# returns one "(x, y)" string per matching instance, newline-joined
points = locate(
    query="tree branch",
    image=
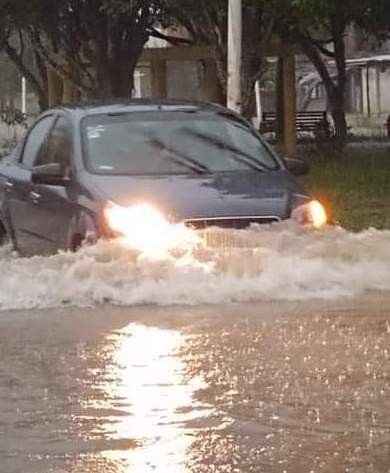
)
(30, 77)
(325, 51)
(311, 51)
(174, 40)
(47, 57)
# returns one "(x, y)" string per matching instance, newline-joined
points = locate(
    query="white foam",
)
(277, 262)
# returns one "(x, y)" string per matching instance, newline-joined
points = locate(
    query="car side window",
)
(59, 145)
(36, 140)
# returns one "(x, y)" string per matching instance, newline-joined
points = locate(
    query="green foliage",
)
(94, 44)
(206, 22)
(357, 187)
(318, 15)
(109, 31)
(319, 27)
(376, 19)
(116, 9)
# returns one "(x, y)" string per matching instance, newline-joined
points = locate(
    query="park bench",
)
(315, 122)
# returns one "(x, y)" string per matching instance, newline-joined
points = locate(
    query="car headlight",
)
(144, 228)
(312, 213)
(140, 218)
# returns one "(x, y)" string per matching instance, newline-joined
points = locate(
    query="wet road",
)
(262, 387)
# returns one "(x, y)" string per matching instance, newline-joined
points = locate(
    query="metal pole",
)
(137, 84)
(259, 108)
(24, 107)
(234, 55)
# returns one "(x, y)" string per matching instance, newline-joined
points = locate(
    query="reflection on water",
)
(292, 388)
(149, 388)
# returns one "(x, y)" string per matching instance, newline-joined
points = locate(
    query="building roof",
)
(312, 77)
(371, 59)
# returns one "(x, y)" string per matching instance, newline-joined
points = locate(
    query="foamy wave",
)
(262, 263)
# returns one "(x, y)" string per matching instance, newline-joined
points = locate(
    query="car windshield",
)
(158, 143)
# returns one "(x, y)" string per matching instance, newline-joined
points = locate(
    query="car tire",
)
(86, 234)
(77, 242)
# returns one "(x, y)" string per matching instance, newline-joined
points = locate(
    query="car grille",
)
(228, 222)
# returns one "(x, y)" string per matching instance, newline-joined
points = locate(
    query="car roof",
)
(80, 110)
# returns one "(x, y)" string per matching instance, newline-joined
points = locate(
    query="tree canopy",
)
(94, 45)
(319, 27)
(206, 22)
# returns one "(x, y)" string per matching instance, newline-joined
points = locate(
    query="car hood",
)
(219, 195)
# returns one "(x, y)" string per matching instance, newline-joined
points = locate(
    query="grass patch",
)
(356, 187)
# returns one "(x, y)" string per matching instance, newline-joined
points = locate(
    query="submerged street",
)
(195, 236)
(211, 319)
(228, 388)
(255, 350)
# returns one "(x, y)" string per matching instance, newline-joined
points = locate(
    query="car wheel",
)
(77, 242)
(82, 231)
(80, 240)
(87, 234)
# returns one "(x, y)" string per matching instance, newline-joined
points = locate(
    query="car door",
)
(54, 206)
(19, 187)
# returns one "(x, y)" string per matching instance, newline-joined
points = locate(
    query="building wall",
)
(375, 92)
(355, 91)
(185, 80)
(385, 90)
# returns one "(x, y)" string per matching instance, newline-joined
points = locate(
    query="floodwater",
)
(267, 351)
(277, 262)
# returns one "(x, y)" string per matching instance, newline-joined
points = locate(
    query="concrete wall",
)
(385, 90)
(355, 92)
(185, 80)
(375, 93)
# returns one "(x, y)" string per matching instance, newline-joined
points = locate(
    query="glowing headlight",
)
(311, 213)
(146, 229)
(127, 220)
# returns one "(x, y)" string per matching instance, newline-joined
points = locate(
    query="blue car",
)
(93, 171)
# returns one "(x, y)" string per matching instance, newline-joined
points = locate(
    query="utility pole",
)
(24, 107)
(234, 55)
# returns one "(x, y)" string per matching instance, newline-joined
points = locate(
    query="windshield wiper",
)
(180, 157)
(238, 155)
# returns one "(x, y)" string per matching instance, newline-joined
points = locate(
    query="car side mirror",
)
(297, 167)
(51, 174)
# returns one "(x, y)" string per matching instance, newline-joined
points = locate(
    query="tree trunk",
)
(211, 84)
(70, 93)
(339, 100)
(116, 61)
(336, 98)
(121, 77)
(251, 67)
(279, 105)
(335, 87)
(337, 105)
(55, 88)
(114, 79)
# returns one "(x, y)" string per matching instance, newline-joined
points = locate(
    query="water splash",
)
(280, 261)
